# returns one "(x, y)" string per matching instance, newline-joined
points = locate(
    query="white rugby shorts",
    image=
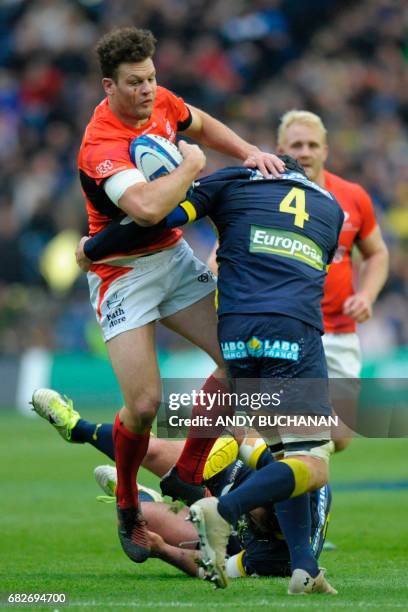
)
(343, 355)
(139, 290)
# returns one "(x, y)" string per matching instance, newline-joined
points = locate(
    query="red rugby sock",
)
(130, 449)
(190, 464)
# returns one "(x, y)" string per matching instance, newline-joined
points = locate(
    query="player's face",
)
(306, 143)
(133, 91)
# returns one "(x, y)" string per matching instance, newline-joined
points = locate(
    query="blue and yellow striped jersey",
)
(276, 238)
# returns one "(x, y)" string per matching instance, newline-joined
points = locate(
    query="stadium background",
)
(247, 63)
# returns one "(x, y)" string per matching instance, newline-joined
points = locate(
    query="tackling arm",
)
(216, 135)
(122, 237)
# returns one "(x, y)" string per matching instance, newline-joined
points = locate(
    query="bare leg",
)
(133, 357)
(134, 360)
(198, 324)
(161, 455)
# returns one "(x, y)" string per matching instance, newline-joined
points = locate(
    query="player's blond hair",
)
(300, 116)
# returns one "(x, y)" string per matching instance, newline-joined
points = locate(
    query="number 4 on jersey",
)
(294, 203)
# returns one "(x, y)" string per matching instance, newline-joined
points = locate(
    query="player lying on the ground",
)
(257, 547)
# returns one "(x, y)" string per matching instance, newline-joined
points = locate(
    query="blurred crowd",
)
(246, 63)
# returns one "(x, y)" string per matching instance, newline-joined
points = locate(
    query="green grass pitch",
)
(56, 538)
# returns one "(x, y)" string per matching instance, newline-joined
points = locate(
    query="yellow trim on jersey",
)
(301, 474)
(222, 454)
(256, 453)
(190, 210)
(240, 564)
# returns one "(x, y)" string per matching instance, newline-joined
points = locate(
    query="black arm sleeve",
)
(120, 236)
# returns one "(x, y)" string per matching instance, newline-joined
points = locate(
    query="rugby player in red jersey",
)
(162, 280)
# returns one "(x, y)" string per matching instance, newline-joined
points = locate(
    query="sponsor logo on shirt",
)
(171, 134)
(291, 176)
(104, 167)
(347, 225)
(286, 244)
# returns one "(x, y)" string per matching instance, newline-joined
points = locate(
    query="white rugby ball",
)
(154, 155)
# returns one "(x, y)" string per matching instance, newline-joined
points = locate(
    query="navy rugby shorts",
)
(281, 357)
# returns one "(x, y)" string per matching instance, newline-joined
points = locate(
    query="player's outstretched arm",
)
(123, 237)
(172, 538)
(184, 559)
(208, 131)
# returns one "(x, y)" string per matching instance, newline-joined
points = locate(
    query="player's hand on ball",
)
(192, 153)
(267, 163)
(358, 307)
(82, 260)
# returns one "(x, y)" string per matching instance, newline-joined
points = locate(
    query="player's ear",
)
(325, 152)
(108, 85)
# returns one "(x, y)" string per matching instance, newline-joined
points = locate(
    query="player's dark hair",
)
(292, 164)
(124, 45)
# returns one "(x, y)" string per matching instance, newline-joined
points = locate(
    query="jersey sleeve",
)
(121, 235)
(205, 196)
(339, 228)
(104, 157)
(180, 111)
(368, 220)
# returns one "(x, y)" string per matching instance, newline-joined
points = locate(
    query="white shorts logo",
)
(114, 302)
(116, 314)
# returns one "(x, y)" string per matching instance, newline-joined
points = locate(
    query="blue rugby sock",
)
(272, 483)
(265, 459)
(295, 522)
(97, 434)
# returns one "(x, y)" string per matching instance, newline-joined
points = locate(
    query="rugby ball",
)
(154, 155)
